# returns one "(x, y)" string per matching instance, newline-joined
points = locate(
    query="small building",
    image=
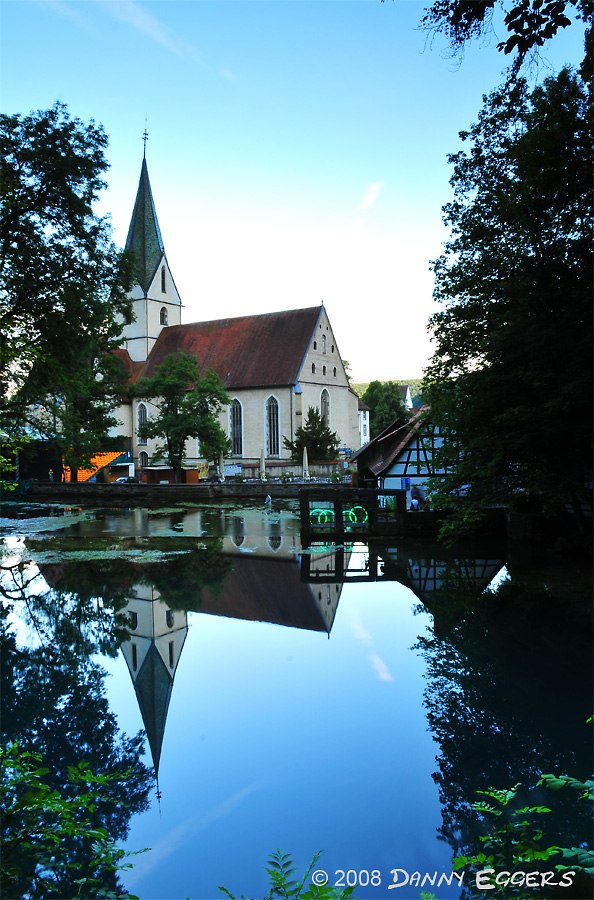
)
(402, 456)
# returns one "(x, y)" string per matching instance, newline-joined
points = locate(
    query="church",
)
(273, 366)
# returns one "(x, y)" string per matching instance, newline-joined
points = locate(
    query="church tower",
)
(157, 635)
(157, 303)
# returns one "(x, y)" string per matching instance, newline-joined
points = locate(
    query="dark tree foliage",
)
(487, 651)
(53, 703)
(315, 435)
(385, 403)
(510, 381)
(530, 24)
(187, 406)
(63, 284)
(182, 581)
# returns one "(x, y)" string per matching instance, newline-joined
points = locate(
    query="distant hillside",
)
(414, 384)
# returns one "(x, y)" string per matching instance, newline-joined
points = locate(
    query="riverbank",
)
(562, 535)
(141, 494)
(402, 523)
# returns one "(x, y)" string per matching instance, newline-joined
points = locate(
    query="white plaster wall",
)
(141, 334)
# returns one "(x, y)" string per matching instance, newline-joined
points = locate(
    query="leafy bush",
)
(281, 868)
(40, 823)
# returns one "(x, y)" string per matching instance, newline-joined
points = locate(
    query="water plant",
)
(281, 869)
(511, 863)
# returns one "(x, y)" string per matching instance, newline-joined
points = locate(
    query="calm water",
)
(339, 699)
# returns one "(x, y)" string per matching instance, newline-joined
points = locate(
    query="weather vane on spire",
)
(145, 138)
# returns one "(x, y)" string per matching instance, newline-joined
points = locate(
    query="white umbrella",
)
(305, 464)
(262, 466)
(221, 466)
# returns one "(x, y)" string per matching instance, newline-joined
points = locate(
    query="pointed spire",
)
(153, 688)
(144, 236)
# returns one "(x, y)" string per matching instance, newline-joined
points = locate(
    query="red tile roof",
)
(131, 368)
(266, 590)
(249, 351)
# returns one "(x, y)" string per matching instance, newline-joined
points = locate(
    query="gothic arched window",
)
(142, 423)
(272, 430)
(325, 406)
(236, 428)
(143, 459)
(163, 316)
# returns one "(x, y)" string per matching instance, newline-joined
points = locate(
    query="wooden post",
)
(338, 515)
(304, 513)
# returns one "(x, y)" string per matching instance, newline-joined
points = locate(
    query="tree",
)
(52, 700)
(490, 726)
(188, 405)
(530, 24)
(38, 822)
(385, 402)
(68, 399)
(510, 379)
(63, 288)
(315, 435)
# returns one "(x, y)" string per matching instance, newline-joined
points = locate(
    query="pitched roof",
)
(144, 236)
(266, 590)
(131, 369)
(250, 351)
(378, 455)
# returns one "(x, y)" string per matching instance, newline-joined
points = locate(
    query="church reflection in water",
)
(270, 578)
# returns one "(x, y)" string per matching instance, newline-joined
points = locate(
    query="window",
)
(134, 657)
(315, 345)
(325, 406)
(169, 618)
(143, 459)
(142, 423)
(163, 285)
(274, 541)
(323, 370)
(171, 654)
(272, 430)
(163, 316)
(324, 344)
(313, 368)
(335, 371)
(236, 430)
(133, 618)
(332, 350)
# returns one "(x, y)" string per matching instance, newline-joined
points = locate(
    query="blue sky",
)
(297, 148)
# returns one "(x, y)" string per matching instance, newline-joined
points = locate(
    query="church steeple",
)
(157, 636)
(156, 302)
(144, 235)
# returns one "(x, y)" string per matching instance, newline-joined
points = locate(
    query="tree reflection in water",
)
(508, 698)
(508, 669)
(54, 704)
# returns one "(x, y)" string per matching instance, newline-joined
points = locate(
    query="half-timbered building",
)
(402, 456)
